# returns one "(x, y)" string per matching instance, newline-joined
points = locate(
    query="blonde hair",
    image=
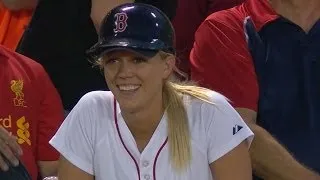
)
(178, 127)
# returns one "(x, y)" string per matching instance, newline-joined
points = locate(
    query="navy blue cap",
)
(139, 27)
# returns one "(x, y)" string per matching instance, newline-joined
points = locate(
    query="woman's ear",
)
(170, 62)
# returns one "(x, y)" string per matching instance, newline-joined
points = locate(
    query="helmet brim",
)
(148, 49)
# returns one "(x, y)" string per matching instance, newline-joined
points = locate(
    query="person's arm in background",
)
(51, 117)
(220, 60)
(16, 5)
(267, 154)
(100, 8)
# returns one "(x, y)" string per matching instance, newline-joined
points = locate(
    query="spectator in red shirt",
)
(31, 112)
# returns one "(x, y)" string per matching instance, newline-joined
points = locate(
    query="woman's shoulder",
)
(208, 110)
(92, 110)
(96, 97)
(94, 100)
(213, 100)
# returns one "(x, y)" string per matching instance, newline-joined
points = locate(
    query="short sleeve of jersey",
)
(75, 137)
(226, 128)
(220, 60)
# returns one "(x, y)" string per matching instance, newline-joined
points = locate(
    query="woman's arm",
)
(68, 171)
(234, 165)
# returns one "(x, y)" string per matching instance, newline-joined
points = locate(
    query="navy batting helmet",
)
(135, 26)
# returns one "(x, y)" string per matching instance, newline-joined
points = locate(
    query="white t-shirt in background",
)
(93, 140)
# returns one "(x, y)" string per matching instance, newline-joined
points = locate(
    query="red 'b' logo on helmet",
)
(121, 22)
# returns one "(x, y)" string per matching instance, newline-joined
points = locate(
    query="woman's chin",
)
(128, 106)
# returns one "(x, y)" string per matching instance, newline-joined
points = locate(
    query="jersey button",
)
(145, 163)
(147, 177)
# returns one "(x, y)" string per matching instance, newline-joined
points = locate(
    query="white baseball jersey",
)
(95, 138)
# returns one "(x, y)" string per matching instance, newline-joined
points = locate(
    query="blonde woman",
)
(149, 127)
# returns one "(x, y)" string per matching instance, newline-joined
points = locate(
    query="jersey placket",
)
(145, 162)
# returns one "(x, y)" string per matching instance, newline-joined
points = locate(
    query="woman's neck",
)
(145, 121)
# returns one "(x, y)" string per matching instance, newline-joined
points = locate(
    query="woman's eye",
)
(111, 60)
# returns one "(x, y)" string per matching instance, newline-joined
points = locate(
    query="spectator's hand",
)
(9, 150)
